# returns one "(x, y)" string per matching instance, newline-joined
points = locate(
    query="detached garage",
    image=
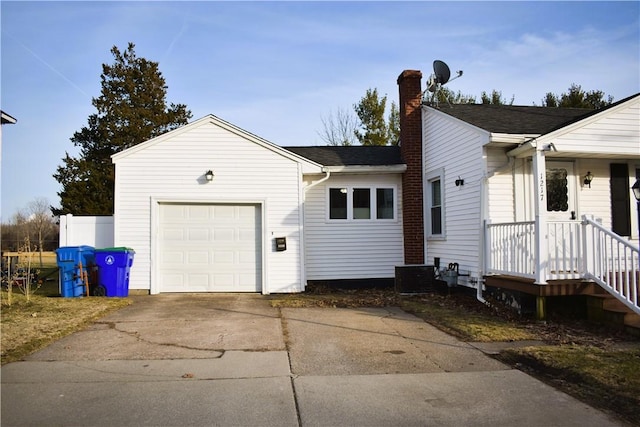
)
(203, 205)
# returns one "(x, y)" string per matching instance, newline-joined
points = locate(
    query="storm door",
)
(564, 232)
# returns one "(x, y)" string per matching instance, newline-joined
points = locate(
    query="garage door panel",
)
(198, 258)
(199, 213)
(175, 234)
(224, 212)
(198, 234)
(172, 257)
(223, 234)
(223, 257)
(210, 248)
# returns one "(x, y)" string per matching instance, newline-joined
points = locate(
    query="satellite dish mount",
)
(441, 75)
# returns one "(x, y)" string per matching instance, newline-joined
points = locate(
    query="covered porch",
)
(547, 256)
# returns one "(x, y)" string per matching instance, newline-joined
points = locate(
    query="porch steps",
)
(606, 308)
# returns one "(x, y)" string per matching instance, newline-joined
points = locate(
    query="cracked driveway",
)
(319, 341)
(173, 326)
(233, 360)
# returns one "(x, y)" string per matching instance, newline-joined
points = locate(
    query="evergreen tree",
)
(495, 98)
(577, 98)
(375, 129)
(131, 109)
(447, 95)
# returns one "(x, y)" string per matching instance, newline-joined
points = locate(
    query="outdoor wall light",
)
(588, 178)
(636, 189)
(209, 175)
(459, 182)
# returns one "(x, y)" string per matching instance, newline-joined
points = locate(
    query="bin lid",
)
(117, 249)
(75, 248)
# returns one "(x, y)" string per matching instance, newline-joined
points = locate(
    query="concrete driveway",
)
(232, 360)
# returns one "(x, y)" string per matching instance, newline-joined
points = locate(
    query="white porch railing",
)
(510, 248)
(611, 262)
(576, 250)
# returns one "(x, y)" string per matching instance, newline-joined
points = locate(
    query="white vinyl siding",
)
(171, 169)
(613, 133)
(457, 149)
(500, 189)
(352, 248)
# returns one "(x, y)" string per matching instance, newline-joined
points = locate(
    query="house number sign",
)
(542, 186)
(109, 260)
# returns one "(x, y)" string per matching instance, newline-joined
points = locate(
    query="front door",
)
(561, 210)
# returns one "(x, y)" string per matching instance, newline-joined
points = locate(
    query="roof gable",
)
(594, 116)
(211, 119)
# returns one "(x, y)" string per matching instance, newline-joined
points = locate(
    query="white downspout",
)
(326, 177)
(303, 254)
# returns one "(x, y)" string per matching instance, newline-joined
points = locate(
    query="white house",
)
(529, 198)
(210, 207)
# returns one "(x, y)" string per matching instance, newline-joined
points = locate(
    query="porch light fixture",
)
(636, 189)
(588, 178)
(459, 182)
(209, 175)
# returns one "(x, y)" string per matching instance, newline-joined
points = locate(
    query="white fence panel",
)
(96, 231)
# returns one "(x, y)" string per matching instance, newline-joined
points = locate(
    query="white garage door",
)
(209, 248)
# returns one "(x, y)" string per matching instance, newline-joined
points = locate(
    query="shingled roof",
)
(514, 119)
(359, 155)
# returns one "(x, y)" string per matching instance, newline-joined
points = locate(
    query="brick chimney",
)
(409, 83)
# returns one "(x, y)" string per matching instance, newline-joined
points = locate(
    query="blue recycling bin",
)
(74, 262)
(114, 265)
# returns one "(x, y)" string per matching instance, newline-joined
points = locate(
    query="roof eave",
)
(511, 138)
(366, 169)
(8, 119)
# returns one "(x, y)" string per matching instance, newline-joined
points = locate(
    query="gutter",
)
(356, 169)
(313, 184)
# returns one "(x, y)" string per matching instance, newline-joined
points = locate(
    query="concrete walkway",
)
(232, 360)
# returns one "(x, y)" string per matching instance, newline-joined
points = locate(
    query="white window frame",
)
(430, 177)
(373, 203)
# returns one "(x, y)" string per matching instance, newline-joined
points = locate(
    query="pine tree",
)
(131, 109)
(370, 111)
(576, 97)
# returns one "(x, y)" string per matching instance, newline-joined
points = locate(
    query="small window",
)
(384, 203)
(434, 200)
(361, 203)
(338, 203)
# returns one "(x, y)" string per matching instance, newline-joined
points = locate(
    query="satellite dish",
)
(441, 75)
(441, 71)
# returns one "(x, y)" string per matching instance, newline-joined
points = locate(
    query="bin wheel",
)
(100, 291)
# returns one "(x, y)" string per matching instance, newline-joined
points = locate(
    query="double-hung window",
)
(362, 203)
(434, 204)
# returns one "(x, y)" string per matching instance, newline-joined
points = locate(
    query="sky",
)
(276, 69)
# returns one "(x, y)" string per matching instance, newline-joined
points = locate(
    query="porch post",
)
(540, 227)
